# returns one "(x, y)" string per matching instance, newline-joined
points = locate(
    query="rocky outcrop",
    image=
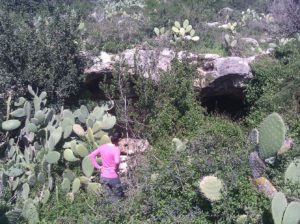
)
(129, 148)
(228, 76)
(216, 75)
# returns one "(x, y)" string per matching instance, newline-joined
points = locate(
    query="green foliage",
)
(174, 107)
(174, 194)
(40, 47)
(275, 86)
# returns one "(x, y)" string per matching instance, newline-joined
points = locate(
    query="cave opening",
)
(228, 105)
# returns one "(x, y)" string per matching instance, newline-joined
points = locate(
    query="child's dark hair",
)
(115, 137)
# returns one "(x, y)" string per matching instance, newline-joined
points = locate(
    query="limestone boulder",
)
(131, 146)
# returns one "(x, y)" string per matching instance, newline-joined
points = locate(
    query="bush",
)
(276, 87)
(41, 50)
(287, 15)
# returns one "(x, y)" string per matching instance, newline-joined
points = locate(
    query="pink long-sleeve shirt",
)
(110, 156)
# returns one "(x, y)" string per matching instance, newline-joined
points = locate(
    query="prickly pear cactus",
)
(11, 125)
(279, 205)
(211, 187)
(30, 212)
(242, 219)
(178, 145)
(284, 213)
(292, 213)
(11, 217)
(292, 173)
(183, 33)
(45, 132)
(272, 135)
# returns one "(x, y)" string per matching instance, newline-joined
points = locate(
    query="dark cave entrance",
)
(226, 96)
(228, 105)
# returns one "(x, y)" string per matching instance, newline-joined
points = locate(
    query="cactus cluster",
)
(270, 140)
(230, 41)
(42, 135)
(284, 212)
(211, 187)
(183, 33)
(159, 31)
(270, 137)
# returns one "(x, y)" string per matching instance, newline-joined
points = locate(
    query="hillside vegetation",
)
(203, 166)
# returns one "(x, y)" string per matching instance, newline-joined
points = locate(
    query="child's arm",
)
(93, 156)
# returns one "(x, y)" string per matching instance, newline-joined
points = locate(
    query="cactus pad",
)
(76, 185)
(14, 171)
(69, 156)
(30, 212)
(45, 196)
(292, 213)
(104, 140)
(11, 125)
(52, 157)
(279, 204)
(84, 180)
(18, 113)
(69, 174)
(211, 187)
(94, 188)
(78, 130)
(108, 121)
(272, 135)
(178, 145)
(25, 191)
(81, 150)
(11, 217)
(87, 167)
(292, 173)
(66, 185)
(242, 219)
(90, 135)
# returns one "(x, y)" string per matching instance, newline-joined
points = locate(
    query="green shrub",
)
(275, 87)
(40, 49)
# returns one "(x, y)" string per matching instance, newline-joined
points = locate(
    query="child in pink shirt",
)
(110, 156)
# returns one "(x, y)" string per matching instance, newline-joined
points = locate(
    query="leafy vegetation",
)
(41, 50)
